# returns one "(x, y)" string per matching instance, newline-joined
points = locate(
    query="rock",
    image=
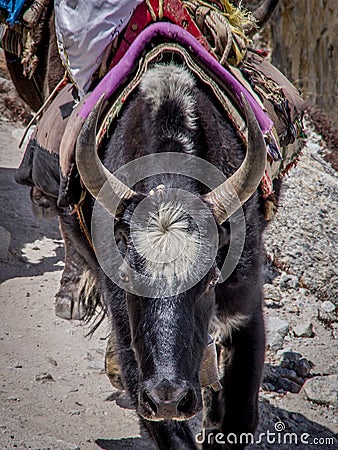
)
(44, 377)
(274, 341)
(268, 387)
(290, 375)
(275, 324)
(290, 359)
(304, 330)
(303, 367)
(276, 331)
(327, 314)
(100, 351)
(328, 306)
(335, 331)
(272, 292)
(74, 412)
(322, 390)
(5, 242)
(288, 385)
(288, 282)
(270, 374)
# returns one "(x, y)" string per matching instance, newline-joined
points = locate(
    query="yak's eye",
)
(123, 276)
(215, 278)
(124, 271)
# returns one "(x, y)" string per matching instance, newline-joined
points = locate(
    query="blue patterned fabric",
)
(13, 8)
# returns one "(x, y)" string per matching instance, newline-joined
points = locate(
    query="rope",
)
(152, 12)
(77, 209)
(43, 107)
(160, 9)
(225, 27)
(83, 226)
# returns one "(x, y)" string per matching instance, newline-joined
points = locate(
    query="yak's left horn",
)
(92, 172)
(229, 196)
(262, 14)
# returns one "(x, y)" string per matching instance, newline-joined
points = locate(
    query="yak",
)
(159, 249)
(161, 332)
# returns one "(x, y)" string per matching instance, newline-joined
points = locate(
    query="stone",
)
(328, 306)
(276, 331)
(290, 359)
(5, 242)
(272, 292)
(303, 367)
(274, 341)
(268, 387)
(44, 377)
(13, 399)
(290, 375)
(74, 412)
(288, 385)
(270, 375)
(288, 282)
(322, 390)
(275, 324)
(304, 330)
(327, 313)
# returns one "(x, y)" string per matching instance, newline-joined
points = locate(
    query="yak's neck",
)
(170, 117)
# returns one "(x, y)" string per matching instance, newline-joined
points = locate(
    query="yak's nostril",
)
(150, 402)
(167, 400)
(187, 403)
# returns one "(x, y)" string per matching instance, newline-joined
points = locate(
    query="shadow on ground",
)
(299, 433)
(17, 218)
(136, 443)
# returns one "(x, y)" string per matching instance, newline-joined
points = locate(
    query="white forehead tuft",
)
(169, 247)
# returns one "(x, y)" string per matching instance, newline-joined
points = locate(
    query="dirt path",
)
(70, 410)
(53, 391)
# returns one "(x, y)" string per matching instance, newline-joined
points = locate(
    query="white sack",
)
(84, 29)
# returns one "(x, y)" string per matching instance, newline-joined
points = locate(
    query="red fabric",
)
(173, 11)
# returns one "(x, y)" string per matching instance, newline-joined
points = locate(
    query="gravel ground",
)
(303, 293)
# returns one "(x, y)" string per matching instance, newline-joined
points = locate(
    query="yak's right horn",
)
(262, 14)
(92, 172)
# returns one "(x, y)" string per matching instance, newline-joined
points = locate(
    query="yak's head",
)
(168, 242)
